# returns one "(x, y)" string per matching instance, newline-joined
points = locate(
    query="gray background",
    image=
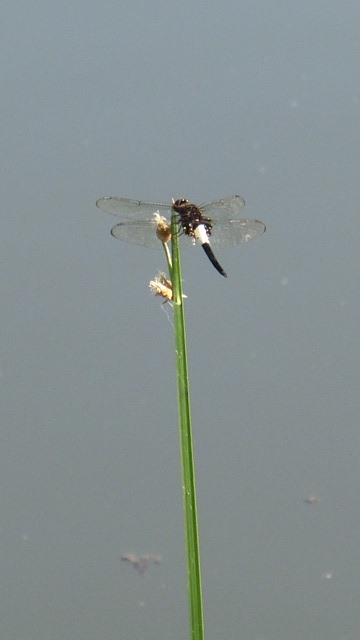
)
(151, 100)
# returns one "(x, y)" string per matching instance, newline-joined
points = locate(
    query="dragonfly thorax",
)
(190, 217)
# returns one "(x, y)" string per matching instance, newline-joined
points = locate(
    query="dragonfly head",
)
(180, 203)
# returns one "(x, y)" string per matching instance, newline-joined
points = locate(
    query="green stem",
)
(186, 446)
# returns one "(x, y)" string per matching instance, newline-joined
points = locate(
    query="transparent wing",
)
(232, 232)
(138, 226)
(225, 209)
(133, 209)
(227, 231)
(143, 233)
(137, 232)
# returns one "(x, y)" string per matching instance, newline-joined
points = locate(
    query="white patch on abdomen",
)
(200, 234)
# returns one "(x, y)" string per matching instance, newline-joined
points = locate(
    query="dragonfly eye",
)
(180, 202)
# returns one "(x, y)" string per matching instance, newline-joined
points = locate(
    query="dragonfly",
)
(213, 225)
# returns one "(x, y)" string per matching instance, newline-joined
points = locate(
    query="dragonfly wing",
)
(225, 209)
(233, 232)
(143, 233)
(132, 209)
